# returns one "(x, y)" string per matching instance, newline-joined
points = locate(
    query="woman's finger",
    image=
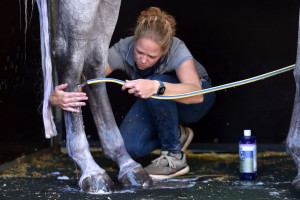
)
(75, 94)
(61, 87)
(77, 104)
(70, 109)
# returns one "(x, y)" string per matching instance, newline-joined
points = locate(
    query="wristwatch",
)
(161, 88)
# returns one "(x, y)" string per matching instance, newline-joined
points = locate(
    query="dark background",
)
(234, 40)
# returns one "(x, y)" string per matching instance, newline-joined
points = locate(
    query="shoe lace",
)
(164, 160)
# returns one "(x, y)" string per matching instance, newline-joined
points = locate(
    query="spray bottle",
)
(247, 154)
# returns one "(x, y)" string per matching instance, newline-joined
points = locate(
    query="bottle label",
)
(248, 158)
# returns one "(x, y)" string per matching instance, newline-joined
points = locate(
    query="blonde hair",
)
(156, 25)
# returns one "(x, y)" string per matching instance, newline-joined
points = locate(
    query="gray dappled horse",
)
(80, 48)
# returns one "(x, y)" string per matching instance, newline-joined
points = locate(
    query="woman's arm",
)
(189, 82)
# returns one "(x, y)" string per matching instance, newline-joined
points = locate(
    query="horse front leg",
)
(69, 51)
(93, 178)
(293, 138)
(131, 173)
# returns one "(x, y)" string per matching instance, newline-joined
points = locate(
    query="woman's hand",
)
(67, 101)
(142, 88)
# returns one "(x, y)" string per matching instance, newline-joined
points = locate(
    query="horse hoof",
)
(296, 183)
(136, 177)
(97, 183)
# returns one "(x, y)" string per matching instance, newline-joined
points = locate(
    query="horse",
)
(80, 49)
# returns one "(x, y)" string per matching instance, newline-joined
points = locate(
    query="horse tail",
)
(50, 129)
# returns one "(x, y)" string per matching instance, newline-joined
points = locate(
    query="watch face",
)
(161, 90)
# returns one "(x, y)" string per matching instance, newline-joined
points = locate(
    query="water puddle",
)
(173, 183)
(157, 184)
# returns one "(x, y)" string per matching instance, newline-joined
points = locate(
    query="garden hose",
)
(208, 90)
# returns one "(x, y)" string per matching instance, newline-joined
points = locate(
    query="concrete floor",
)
(212, 176)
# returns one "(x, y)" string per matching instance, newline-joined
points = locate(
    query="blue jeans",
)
(153, 123)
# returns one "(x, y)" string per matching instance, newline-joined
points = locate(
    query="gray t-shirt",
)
(121, 56)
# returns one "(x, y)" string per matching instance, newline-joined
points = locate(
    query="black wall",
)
(20, 75)
(234, 40)
(21, 128)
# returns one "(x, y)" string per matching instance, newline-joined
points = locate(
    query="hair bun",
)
(152, 11)
(156, 25)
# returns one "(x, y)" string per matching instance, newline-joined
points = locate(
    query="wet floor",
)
(211, 176)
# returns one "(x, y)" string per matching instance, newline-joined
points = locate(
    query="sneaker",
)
(186, 137)
(167, 166)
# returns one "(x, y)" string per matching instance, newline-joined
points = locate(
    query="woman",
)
(157, 63)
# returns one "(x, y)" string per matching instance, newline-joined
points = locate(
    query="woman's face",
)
(146, 53)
